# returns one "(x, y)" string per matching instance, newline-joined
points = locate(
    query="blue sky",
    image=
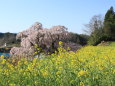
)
(18, 15)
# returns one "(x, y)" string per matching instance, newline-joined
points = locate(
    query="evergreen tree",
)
(109, 24)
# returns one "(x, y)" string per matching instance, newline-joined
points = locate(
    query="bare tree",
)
(96, 22)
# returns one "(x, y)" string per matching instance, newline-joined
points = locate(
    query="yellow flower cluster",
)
(89, 66)
(82, 72)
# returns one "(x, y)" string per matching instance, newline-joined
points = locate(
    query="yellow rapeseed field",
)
(89, 66)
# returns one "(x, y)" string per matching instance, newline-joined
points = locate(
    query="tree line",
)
(8, 38)
(101, 29)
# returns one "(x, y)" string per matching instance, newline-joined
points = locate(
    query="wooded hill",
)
(8, 39)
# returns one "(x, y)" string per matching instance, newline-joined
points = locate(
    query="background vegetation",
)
(9, 39)
(101, 29)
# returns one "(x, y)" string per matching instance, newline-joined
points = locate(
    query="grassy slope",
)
(112, 44)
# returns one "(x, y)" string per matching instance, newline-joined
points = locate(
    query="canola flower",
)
(3, 61)
(82, 73)
(81, 84)
(89, 66)
(60, 43)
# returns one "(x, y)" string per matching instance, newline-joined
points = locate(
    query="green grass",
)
(112, 44)
(107, 43)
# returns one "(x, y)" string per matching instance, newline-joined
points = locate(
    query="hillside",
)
(8, 39)
(112, 44)
(108, 43)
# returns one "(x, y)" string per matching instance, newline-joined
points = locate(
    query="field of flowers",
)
(89, 66)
